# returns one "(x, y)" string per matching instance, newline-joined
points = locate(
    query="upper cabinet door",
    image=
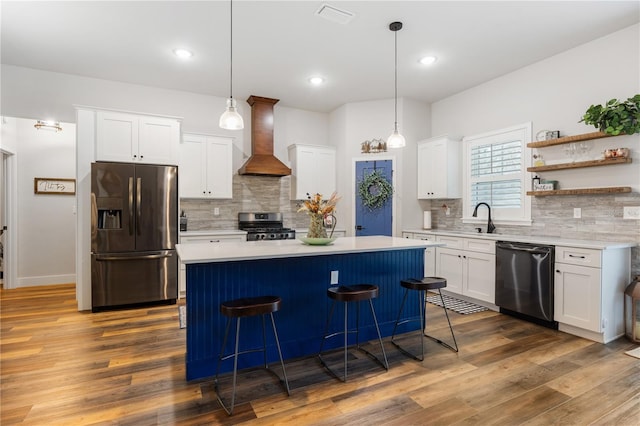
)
(439, 172)
(128, 138)
(206, 166)
(192, 170)
(313, 170)
(220, 167)
(158, 140)
(116, 136)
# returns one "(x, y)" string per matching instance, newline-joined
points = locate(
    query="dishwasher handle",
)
(528, 248)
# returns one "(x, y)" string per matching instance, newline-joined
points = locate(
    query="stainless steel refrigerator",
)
(134, 230)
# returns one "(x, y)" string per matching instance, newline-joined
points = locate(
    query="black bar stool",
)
(346, 294)
(427, 283)
(247, 307)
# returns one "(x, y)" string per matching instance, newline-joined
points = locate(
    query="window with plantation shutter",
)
(495, 173)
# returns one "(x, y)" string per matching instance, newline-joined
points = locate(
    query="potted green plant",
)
(615, 117)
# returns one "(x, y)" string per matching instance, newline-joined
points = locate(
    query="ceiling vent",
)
(334, 14)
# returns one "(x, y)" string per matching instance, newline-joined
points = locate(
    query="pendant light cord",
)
(231, 51)
(395, 33)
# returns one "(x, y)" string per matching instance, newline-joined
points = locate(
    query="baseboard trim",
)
(46, 280)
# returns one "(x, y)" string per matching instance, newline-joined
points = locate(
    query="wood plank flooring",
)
(62, 367)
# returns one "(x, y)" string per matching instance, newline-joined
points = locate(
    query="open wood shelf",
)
(580, 191)
(568, 139)
(580, 164)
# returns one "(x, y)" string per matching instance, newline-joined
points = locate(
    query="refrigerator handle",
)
(130, 206)
(138, 201)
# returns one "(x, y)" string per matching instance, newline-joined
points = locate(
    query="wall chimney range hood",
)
(262, 162)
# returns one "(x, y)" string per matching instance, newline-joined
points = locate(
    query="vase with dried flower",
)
(318, 209)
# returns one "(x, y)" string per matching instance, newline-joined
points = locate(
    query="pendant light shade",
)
(396, 140)
(230, 118)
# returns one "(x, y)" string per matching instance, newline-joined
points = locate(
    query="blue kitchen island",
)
(300, 274)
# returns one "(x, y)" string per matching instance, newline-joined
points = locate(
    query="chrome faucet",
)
(490, 226)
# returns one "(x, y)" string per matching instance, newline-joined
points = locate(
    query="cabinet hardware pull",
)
(579, 257)
(214, 241)
(557, 271)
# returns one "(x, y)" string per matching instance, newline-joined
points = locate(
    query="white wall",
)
(46, 225)
(354, 123)
(554, 94)
(30, 93)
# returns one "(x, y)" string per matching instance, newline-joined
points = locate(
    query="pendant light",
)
(396, 140)
(230, 118)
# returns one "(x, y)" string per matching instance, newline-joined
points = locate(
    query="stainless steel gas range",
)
(264, 226)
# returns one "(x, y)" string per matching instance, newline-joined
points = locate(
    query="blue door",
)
(373, 221)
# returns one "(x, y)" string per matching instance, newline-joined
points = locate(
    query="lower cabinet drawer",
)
(578, 256)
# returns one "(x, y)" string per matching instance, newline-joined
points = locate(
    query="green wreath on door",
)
(374, 190)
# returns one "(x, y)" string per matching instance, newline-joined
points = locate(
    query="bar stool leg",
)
(422, 312)
(284, 372)
(375, 321)
(229, 410)
(346, 337)
(455, 349)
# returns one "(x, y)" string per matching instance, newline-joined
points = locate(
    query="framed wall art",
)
(55, 186)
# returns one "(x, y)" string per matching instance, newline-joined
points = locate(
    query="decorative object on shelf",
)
(632, 311)
(318, 209)
(615, 117)
(230, 118)
(545, 135)
(616, 153)
(535, 182)
(538, 160)
(373, 146)
(48, 125)
(374, 190)
(396, 140)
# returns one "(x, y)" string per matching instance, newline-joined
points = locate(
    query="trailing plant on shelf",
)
(615, 117)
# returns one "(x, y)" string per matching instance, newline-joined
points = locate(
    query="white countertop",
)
(548, 240)
(253, 250)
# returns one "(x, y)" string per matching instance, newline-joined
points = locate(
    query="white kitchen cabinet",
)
(128, 138)
(313, 170)
(469, 266)
(205, 238)
(588, 291)
(439, 172)
(429, 253)
(206, 166)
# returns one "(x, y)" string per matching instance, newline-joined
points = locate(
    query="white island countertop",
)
(253, 250)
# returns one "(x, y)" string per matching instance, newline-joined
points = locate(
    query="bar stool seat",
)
(346, 294)
(422, 286)
(238, 309)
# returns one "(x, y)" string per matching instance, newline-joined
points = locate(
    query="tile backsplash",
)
(552, 216)
(250, 194)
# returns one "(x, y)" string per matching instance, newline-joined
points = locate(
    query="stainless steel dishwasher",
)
(524, 281)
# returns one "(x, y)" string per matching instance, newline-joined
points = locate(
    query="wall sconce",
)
(48, 125)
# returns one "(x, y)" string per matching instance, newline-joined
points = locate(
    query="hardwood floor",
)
(59, 366)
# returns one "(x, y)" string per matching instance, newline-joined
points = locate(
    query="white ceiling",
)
(279, 44)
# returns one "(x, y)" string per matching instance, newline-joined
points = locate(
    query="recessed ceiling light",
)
(428, 60)
(316, 80)
(182, 53)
